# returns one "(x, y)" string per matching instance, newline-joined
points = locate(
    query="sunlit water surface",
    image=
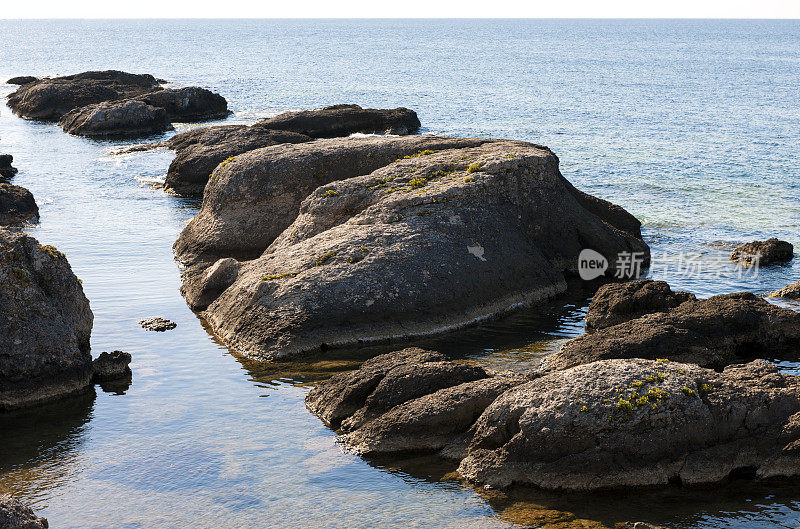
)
(692, 126)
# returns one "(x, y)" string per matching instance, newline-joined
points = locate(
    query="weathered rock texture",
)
(45, 324)
(187, 104)
(125, 119)
(430, 242)
(6, 170)
(763, 252)
(608, 424)
(22, 79)
(199, 151)
(17, 205)
(49, 99)
(619, 302)
(111, 366)
(157, 324)
(791, 291)
(343, 120)
(711, 332)
(629, 423)
(16, 515)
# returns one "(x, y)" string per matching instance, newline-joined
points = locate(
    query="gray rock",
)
(343, 120)
(128, 118)
(157, 324)
(615, 303)
(633, 423)
(17, 205)
(427, 243)
(45, 324)
(711, 332)
(16, 515)
(763, 252)
(22, 79)
(791, 292)
(111, 366)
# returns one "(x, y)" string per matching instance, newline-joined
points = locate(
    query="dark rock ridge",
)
(124, 119)
(188, 104)
(199, 151)
(791, 292)
(111, 366)
(454, 232)
(157, 324)
(45, 324)
(710, 332)
(17, 205)
(6, 170)
(16, 515)
(608, 424)
(22, 79)
(49, 99)
(343, 120)
(619, 302)
(763, 252)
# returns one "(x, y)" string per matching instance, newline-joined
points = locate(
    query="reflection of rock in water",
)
(42, 439)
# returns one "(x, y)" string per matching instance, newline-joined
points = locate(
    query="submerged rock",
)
(710, 332)
(791, 291)
(17, 205)
(157, 324)
(125, 119)
(22, 79)
(6, 170)
(343, 120)
(49, 99)
(16, 515)
(428, 242)
(199, 151)
(615, 303)
(111, 366)
(631, 423)
(45, 324)
(763, 252)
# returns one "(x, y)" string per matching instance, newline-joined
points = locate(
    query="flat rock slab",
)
(17, 205)
(343, 120)
(763, 252)
(428, 241)
(712, 332)
(157, 324)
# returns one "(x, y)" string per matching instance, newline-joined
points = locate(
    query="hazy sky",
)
(402, 9)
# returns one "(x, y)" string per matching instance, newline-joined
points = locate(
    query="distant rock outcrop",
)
(128, 118)
(791, 292)
(22, 79)
(343, 120)
(763, 252)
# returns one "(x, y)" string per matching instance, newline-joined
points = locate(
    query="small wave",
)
(152, 181)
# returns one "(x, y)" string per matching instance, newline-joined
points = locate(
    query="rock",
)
(49, 99)
(188, 104)
(17, 205)
(615, 303)
(792, 292)
(111, 366)
(635, 423)
(343, 120)
(123, 119)
(199, 151)
(211, 282)
(6, 171)
(45, 324)
(23, 79)
(763, 252)
(428, 243)
(157, 324)
(710, 332)
(16, 515)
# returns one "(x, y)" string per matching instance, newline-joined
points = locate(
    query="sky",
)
(403, 9)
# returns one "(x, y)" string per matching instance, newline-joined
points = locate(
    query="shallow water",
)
(693, 126)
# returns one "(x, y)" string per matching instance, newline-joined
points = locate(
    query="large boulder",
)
(430, 242)
(199, 151)
(615, 303)
(17, 205)
(16, 515)
(49, 99)
(128, 118)
(790, 292)
(343, 120)
(710, 332)
(188, 104)
(634, 423)
(763, 252)
(6, 170)
(45, 324)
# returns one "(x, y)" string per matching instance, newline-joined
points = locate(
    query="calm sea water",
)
(694, 126)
